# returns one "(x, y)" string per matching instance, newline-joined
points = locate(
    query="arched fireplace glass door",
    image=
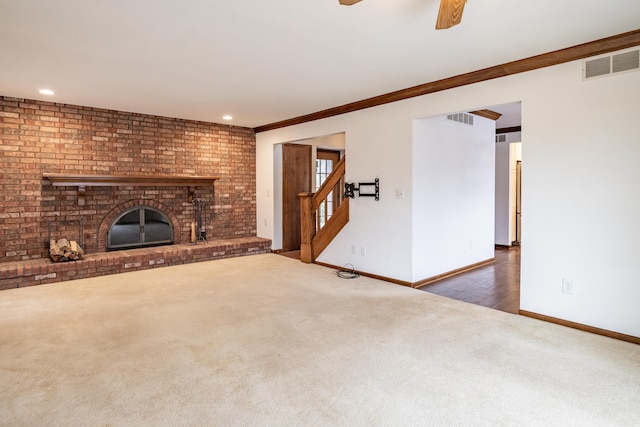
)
(139, 227)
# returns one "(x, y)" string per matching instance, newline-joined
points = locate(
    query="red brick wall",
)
(42, 137)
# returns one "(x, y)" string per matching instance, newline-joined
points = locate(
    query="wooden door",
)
(296, 179)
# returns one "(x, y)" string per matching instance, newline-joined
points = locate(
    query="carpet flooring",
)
(266, 340)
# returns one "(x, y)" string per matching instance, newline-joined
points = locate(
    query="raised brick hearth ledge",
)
(42, 271)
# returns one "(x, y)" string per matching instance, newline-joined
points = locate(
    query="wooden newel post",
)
(307, 227)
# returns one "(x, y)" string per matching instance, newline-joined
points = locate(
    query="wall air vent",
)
(501, 138)
(597, 67)
(611, 64)
(625, 61)
(465, 118)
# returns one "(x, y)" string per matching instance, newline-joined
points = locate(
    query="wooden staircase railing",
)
(321, 218)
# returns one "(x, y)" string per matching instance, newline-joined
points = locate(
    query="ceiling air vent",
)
(611, 64)
(465, 118)
(501, 138)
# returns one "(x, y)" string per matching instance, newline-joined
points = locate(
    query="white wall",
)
(580, 205)
(503, 194)
(377, 152)
(580, 145)
(453, 194)
(371, 152)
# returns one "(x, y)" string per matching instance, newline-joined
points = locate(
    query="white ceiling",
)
(263, 61)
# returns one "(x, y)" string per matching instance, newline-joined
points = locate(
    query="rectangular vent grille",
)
(597, 67)
(465, 118)
(617, 63)
(625, 61)
(501, 138)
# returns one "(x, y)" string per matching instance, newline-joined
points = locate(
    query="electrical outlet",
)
(353, 249)
(363, 251)
(567, 286)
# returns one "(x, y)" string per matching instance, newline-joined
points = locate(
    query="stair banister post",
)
(307, 227)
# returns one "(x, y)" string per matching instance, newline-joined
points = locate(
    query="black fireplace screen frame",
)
(140, 226)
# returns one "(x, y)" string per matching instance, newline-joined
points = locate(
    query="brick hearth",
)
(43, 271)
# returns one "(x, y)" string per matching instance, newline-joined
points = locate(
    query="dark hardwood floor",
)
(496, 285)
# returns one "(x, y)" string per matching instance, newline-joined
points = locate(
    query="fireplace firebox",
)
(140, 226)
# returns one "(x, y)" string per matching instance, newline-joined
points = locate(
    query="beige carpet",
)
(268, 341)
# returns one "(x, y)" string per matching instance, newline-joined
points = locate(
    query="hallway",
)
(495, 286)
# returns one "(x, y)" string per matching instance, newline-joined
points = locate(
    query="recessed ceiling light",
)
(46, 92)
(227, 117)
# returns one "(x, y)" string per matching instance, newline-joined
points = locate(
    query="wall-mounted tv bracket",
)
(367, 191)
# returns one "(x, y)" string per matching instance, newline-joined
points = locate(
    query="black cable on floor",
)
(346, 273)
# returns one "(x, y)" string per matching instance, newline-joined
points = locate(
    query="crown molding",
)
(581, 51)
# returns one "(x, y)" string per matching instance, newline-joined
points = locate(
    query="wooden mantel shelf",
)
(83, 181)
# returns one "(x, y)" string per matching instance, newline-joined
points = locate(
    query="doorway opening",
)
(497, 285)
(296, 166)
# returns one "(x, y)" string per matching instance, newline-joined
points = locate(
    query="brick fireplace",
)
(40, 138)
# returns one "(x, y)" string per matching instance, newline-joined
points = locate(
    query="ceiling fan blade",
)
(450, 13)
(348, 2)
